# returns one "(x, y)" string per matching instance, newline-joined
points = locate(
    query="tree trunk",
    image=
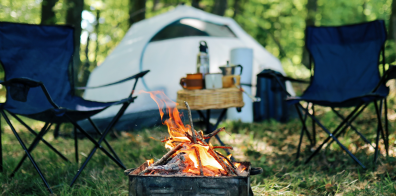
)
(237, 8)
(220, 7)
(195, 3)
(312, 6)
(73, 17)
(97, 37)
(392, 22)
(47, 12)
(155, 5)
(137, 11)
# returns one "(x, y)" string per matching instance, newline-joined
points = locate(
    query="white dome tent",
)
(167, 45)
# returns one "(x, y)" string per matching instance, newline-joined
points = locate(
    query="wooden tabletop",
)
(210, 98)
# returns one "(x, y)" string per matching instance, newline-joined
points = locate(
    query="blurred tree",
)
(47, 12)
(392, 22)
(219, 7)
(74, 10)
(155, 5)
(195, 3)
(312, 6)
(137, 11)
(238, 7)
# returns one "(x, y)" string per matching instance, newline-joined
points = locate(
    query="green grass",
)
(269, 145)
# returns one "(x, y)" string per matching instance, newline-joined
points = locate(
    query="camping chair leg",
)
(351, 126)
(97, 143)
(1, 149)
(379, 127)
(331, 135)
(26, 150)
(36, 140)
(44, 141)
(75, 143)
(302, 132)
(345, 127)
(104, 140)
(306, 129)
(57, 129)
(313, 126)
(382, 128)
(386, 127)
(383, 134)
(303, 122)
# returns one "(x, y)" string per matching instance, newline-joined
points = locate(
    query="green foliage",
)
(264, 20)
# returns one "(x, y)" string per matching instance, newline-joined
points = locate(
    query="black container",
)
(191, 185)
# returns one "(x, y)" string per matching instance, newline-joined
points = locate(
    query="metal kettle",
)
(230, 70)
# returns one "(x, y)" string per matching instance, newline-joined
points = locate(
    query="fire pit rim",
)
(248, 164)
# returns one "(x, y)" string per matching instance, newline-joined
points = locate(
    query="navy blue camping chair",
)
(345, 74)
(36, 60)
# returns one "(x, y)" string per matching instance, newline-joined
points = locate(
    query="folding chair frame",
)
(344, 124)
(59, 111)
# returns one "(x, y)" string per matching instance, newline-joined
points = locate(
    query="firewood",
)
(164, 158)
(215, 132)
(189, 136)
(199, 160)
(224, 147)
(235, 170)
(220, 161)
(168, 167)
(201, 138)
(191, 122)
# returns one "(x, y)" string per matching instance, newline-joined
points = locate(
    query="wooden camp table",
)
(209, 99)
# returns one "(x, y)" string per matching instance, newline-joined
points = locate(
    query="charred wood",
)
(215, 132)
(164, 158)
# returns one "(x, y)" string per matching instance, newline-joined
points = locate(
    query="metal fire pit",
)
(189, 185)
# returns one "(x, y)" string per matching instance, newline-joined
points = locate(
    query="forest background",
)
(278, 25)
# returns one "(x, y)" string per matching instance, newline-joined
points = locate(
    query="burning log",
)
(215, 132)
(214, 155)
(194, 138)
(167, 167)
(199, 161)
(223, 147)
(191, 122)
(164, 158)
(234, 169)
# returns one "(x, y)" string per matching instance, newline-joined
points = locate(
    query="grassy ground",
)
(269, 145)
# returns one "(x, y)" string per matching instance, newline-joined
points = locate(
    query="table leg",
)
(210, 128)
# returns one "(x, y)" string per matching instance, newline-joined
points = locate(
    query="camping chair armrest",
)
(271, 74)
(20, 88)
(279, 78)
(136, 76)
(388, 75)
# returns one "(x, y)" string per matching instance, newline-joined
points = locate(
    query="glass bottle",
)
(203, 59)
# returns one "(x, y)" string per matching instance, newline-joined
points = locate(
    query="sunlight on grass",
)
(270, 145)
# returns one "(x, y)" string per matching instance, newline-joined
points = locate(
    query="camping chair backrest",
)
(41, 53)
(346, 57)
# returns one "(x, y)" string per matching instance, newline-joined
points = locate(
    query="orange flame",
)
(177, 131)
(150, 162)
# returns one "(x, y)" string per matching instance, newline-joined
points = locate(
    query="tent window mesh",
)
(193, 27)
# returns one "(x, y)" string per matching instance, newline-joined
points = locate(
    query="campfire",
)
(190, 157)
(190, 153)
